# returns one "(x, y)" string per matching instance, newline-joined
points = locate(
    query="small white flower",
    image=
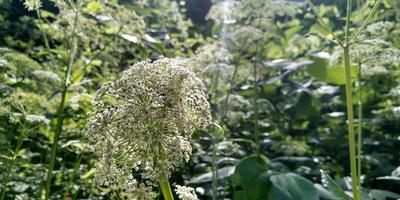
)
(185, 193)
(47, 75)
(32, 5)
(37, 119)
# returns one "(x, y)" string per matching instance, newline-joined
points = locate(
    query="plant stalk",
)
(214, 183)
(360, 123)
(166, 189)
(350, 118)
(11, 165)
(349, 105)
(60, 112)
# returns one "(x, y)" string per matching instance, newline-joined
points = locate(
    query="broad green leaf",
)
(323, 71)
(279, 194)
(331, 186)
(294, 187)
(383, 195)
(251, 174)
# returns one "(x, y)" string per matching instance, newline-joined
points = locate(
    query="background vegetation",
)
(274, 76)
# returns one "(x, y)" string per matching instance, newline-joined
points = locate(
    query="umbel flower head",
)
(143, 124)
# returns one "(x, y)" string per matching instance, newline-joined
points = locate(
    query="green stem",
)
(11, 165)
(214, 183)
(60, 111)
(46, 41)
(349, 105)
(225, 105)
(216, 133)
(166, 190)
(366, 21)
(323, 24)
(255, 105)
(359, 139)
(350, 118)
(69, 188)
(54, 146)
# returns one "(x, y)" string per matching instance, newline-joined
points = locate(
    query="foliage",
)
(272, 71)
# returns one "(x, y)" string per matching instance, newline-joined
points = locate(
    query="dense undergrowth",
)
(284, 81)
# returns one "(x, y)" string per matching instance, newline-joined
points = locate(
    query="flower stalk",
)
(166, 189)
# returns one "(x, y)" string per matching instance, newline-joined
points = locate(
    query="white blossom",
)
(47, 75)
(144, 122)
(37, 119)
(185, 193)
(32, 5)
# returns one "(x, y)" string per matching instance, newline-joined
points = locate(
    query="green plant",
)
(142, 126)
(349, 39)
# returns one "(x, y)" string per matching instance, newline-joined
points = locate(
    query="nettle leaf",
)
(332, 186)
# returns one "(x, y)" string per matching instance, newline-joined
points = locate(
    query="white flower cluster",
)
(32, 5)
(144, 122)
(46, 76)
(185, 193)
(252, 12)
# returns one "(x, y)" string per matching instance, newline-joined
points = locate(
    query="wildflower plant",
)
(143, 124)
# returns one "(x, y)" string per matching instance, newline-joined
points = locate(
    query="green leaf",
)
(279, 194)
(89, 173)
(293, 187)
(323, 71)
(383, 195)
(305, 106)
(331, 185)
(251, 174)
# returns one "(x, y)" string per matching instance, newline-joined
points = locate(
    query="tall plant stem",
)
(54, 146)
(69, 189)
(214, 183)
(218, 130)
(349, 103)
(225, 105)
(11, 164)
(166, 189)
(60, 110)
(360, 123)
(350, 118)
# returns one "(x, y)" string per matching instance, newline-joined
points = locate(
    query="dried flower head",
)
(144, 122)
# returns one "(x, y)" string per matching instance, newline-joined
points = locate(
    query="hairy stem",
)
(166, 189)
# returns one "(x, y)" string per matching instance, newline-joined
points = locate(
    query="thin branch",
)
(366, 21)
(323, 24)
